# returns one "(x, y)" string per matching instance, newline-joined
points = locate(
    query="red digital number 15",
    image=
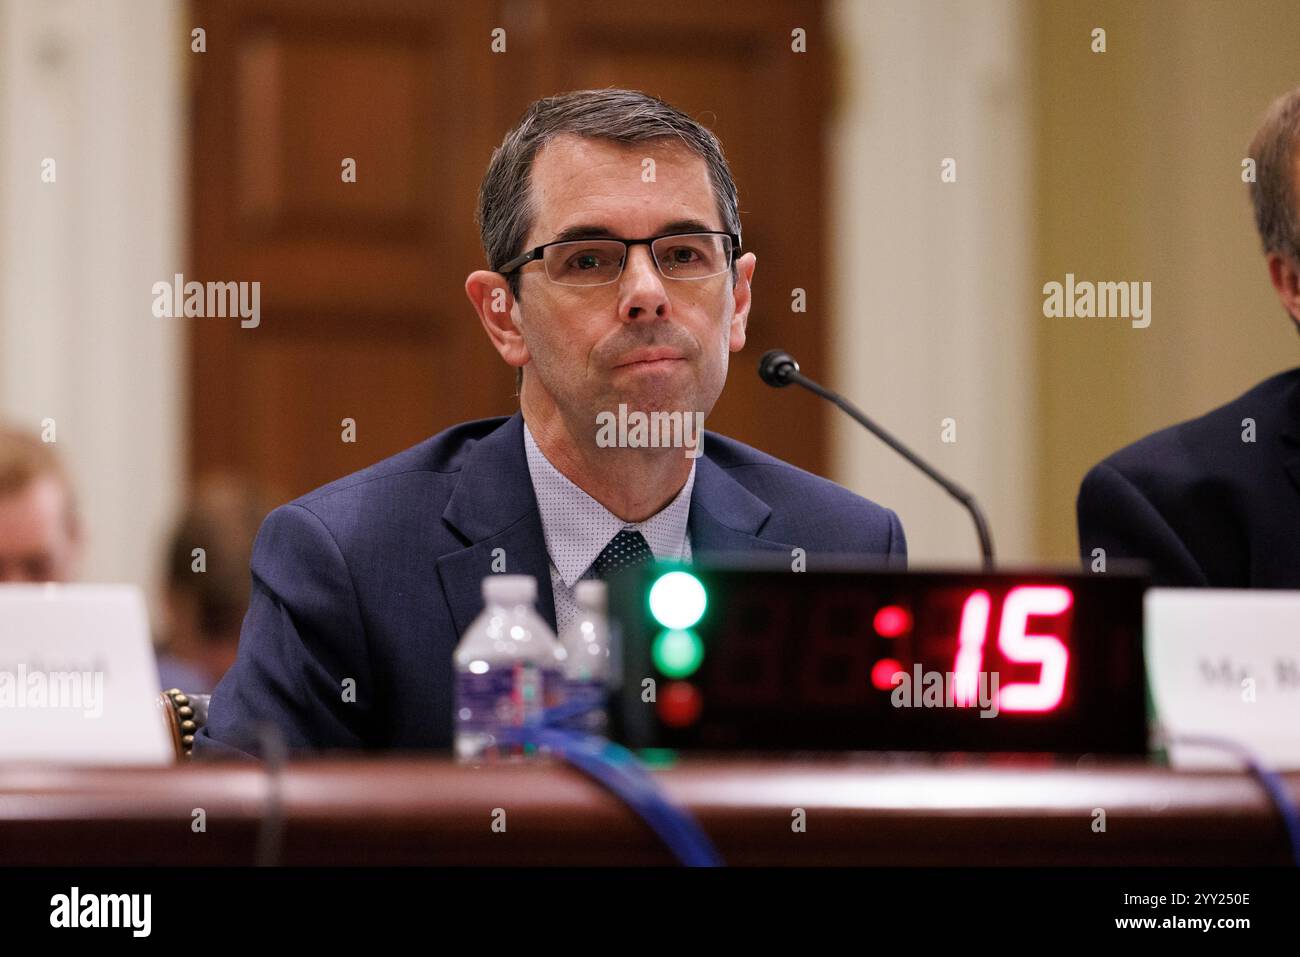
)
(1046, 650)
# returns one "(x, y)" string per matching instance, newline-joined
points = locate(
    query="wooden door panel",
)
(305, 104)
(362, 310)
(310, 392)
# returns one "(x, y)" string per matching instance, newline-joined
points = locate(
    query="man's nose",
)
(641, 287)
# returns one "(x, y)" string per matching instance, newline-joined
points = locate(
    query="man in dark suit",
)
(1216, 501)
(614, 218)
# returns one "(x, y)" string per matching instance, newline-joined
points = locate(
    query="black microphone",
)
(778, 369)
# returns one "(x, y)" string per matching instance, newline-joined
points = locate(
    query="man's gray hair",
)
(505, 209)
(1273, 193)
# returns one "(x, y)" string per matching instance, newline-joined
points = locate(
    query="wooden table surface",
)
(859, 809)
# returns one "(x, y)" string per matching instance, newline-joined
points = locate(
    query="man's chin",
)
(652, 400)
(650, 394)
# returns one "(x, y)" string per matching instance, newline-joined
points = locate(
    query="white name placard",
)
(78, 680)
(1226, 664)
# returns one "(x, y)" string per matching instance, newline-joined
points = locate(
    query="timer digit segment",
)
(970, 648)
(1047, 651)
(749, 669)
(838, 654)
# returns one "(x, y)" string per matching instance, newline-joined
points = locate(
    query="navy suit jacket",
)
(375, 577)
(1199, 504)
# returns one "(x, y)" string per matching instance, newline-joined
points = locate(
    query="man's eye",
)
(683, 254)
(585, 261)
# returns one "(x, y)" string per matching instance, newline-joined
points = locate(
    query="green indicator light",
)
(658, 757)
(678, 653)
(677, 600)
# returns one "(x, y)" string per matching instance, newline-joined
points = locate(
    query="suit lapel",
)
(524, 547)
(725, 516)
(494, 507)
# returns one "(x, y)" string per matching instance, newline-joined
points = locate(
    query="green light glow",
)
(677, 600)
(677, 653)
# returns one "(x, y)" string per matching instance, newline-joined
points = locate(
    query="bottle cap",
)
(510, 589)
(591, 594)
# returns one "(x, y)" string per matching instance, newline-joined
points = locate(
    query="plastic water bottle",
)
(586, 664)
(506, 662)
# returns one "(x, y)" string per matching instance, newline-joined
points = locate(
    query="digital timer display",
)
(737, 658)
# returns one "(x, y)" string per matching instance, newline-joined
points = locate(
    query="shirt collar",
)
(577, 527)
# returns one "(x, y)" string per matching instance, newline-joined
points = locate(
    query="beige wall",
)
(931, 305)
(1123, 165)
(1138, 176)
(84, 83)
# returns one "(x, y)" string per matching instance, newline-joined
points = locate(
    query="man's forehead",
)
(655, 185)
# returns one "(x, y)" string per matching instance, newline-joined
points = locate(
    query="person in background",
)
(206, 593)
(1216, 501)
(40, 531)
(42, 540)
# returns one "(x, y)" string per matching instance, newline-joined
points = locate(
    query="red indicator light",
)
(679, 704)
(883, 671)
(892, 621)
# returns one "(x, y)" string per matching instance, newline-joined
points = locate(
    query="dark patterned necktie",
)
(628, 549)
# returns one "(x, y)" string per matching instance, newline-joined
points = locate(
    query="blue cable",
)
(1271, 781)
(619, 771)
(619, 774)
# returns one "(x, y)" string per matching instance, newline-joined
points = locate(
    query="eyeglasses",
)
(597, 262)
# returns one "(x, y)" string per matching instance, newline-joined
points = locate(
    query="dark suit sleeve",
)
(302, 639)
(1115, 515)
(897, 550)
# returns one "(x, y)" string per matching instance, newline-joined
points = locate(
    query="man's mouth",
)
(651, 358)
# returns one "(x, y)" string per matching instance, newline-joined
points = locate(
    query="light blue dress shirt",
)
(577, 527)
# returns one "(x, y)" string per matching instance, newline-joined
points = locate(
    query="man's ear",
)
(1285, 273)
(489, 293)
(742, 297)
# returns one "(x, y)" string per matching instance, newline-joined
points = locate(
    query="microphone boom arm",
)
(781, 369)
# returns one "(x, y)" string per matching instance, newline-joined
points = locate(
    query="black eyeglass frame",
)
(534, 254)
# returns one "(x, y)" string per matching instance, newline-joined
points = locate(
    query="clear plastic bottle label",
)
(505, 696)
